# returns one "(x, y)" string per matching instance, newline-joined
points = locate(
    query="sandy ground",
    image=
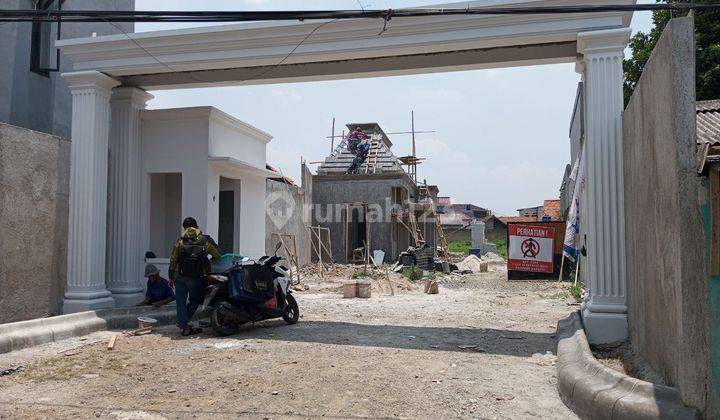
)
(482, 348)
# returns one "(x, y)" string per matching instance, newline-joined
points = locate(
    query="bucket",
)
(146, 322)
(364, 288)
(378, 256)
(350, 290)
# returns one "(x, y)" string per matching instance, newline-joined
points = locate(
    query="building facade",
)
(33, 95)
(388, 193)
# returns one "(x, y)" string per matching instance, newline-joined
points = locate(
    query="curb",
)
(23, 334)
(594, 391)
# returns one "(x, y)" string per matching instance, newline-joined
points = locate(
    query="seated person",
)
(159, 292)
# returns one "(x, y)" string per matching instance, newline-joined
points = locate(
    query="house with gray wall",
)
(35, 119)
(389, 191)
(32, 93)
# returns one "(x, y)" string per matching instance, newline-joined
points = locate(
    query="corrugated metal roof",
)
(708, 122)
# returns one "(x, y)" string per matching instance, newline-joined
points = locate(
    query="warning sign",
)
(530, 248)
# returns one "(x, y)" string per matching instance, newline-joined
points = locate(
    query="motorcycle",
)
(250, 291)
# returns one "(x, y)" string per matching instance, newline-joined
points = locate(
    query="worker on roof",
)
(354, 139)
(362, 152)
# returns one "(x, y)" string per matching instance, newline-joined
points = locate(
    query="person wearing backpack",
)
(189, 264)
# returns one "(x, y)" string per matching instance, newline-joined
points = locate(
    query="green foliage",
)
(358, 274)
(413, 273)
(576, 292)
(707, 34)
(460, 247)
(502, 247)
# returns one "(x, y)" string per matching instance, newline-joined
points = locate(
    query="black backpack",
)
(193, 258)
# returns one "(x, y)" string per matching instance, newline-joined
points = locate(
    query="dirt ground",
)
(481, 348)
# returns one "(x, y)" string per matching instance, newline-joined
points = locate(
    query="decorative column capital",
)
(91, 79)
(138, 97)
(606, 42)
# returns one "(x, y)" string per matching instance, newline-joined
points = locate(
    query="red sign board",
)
(530, 248)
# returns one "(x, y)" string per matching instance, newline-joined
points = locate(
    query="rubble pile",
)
(333, 278)
(472, 264)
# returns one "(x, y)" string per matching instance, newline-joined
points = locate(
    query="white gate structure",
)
(258, 53)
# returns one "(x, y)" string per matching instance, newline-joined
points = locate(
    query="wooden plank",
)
(347, 214)
(111, 343)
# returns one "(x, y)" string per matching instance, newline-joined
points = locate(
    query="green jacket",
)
(193, 235)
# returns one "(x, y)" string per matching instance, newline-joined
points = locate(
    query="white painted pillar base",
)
(88, 191)
(124, 247)
(605, 310)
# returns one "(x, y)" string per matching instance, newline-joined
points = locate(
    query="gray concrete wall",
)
(34, 189)
(291, 204)
(33, 100)
(330, 192)
(299, 218)
(667, 304)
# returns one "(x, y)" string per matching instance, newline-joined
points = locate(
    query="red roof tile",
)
(511, 219)
(551, 208)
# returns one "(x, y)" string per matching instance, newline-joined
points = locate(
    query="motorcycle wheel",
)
(292, 311)
(220, 325)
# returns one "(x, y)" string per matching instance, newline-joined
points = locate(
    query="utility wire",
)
(244, 16)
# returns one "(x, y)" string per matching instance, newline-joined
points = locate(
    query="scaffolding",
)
(320, 246)
(289, 247)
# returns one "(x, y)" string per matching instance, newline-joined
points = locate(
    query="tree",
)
(707, 36)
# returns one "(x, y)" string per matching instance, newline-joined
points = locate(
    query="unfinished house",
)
(382, 207)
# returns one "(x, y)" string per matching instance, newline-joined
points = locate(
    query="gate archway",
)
(113, 72)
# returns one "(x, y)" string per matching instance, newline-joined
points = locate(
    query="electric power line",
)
(244, 16)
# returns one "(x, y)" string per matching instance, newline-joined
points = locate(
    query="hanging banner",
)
(530, 248)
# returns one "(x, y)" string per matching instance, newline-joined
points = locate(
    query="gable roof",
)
(387, 162)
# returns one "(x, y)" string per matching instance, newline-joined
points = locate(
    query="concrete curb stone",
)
(594, 391)
(33, 332)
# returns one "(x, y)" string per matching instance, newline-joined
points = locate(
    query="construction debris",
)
(12, 370)
(111, 343)
(472, 264)
(422, 256)
(431, 287)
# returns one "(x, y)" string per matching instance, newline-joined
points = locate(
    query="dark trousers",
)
(189, 293)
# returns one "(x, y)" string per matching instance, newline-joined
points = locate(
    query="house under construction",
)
(383, 207)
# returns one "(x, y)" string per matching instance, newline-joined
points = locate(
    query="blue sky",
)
(501, 138)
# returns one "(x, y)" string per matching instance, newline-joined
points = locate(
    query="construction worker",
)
(362, 151)
(158, 292)
(354, 139)
(189, 264)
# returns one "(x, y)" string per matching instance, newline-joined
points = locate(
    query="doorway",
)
(226, 222)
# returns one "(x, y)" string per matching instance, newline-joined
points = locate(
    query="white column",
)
(88, 191)
(124, 247)
(605, 310)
